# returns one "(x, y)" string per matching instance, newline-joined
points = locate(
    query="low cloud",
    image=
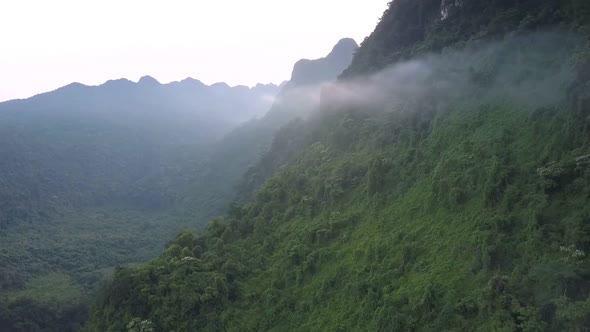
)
(527, 70)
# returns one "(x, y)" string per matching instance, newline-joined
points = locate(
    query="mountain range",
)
(99, 176)
(436, 178)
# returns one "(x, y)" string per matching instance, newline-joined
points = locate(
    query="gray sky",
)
(46, 44)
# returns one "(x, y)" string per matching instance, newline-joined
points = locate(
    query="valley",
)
(434, 178)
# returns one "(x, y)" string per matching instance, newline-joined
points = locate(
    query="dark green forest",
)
(442, 185)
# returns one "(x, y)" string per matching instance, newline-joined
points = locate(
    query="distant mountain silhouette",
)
(89, 145)
(325, 69)
(300, 95)
(219, 106)
(148, 81)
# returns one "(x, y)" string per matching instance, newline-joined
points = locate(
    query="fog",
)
(528, 70)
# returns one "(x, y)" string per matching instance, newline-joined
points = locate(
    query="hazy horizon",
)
(53, 44)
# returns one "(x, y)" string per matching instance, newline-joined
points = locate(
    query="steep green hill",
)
(447, 192)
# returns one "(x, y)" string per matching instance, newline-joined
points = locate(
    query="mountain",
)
(241, 150)
(97, 145)
(213, 110)
(99, 176)
(96, 176)
(325, 69)
(443, 184)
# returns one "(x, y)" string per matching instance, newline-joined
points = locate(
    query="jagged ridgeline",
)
(444, 184)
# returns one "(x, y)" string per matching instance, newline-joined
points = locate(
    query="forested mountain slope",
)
(443, 185)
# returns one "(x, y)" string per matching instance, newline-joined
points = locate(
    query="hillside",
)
(443, 185)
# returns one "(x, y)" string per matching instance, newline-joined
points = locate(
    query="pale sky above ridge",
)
(49, 44)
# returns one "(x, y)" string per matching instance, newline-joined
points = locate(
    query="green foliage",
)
(95, 177)
(447, 226)
(138, 325)
(466, 210)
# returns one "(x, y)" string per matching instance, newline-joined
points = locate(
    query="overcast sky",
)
(45, 44)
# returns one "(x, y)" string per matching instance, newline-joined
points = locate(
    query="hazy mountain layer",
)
(93, 177)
